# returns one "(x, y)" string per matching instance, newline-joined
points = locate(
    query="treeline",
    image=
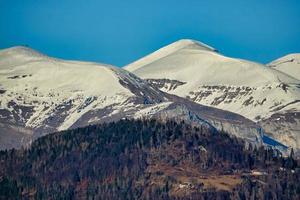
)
(144, 159)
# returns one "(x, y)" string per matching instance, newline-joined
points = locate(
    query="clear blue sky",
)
(119, 32)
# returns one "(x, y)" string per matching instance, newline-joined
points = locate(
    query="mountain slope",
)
(289, 64)
(146, 159)
(47, 94)
(40, 95)
(209, 78)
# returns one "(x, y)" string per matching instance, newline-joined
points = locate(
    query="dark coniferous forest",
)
(146, 159)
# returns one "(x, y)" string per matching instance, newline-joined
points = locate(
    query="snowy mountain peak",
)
(19, 55)
(190, 61)
(37, 91)
(189, 43)
(168, 50)
(21, 50)
(287, 59)
(289, 64)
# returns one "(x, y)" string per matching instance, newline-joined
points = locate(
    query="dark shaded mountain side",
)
(146, 160)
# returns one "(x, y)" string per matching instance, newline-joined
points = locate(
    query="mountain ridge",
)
(48, 95)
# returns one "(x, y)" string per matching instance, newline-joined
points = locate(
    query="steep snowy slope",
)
(39, 95)
(289, 64)
(207, 77)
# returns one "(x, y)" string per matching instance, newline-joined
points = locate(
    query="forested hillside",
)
(146, 160)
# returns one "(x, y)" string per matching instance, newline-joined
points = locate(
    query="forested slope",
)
(146, 160)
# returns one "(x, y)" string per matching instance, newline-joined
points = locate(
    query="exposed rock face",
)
(165, 84)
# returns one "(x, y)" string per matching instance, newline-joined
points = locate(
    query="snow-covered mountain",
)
(289, 64)
(195, 71)
(46, 94)
(39, 95)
